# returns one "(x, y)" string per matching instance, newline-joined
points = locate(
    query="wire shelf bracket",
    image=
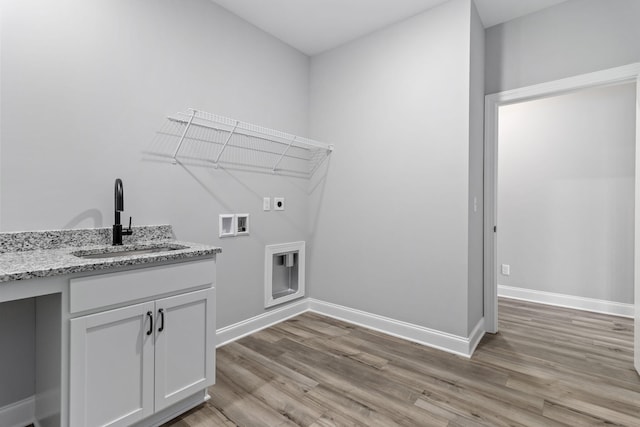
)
(283, 154)
(184, 134)
(226, 143)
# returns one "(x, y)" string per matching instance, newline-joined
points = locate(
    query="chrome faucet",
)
(118, 231)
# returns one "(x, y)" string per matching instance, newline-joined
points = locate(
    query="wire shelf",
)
(223, 142)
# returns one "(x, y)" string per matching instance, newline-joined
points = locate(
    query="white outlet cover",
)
(266, 204)
(278, 203)
(506, 269)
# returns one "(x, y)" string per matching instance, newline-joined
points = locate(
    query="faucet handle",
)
(127, 231)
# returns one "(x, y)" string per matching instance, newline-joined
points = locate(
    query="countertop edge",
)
(24, 265)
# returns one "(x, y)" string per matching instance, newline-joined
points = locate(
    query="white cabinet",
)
(111, 372)
(130, 363)
(184, 363)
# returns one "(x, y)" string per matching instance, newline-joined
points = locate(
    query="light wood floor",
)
(547, 367)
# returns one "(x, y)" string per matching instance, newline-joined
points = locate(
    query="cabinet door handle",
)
(161, 313)
(150, 316)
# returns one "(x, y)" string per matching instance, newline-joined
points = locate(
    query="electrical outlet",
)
(278, 203)
(266, 204)
(506, 269)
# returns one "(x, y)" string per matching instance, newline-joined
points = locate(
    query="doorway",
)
(493, 103)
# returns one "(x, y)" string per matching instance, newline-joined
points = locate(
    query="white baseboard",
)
(429, 337)
(18, 414)
(567, 301)
(475, 336)
(247, 327)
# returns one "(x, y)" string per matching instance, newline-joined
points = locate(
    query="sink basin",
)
(113, 252)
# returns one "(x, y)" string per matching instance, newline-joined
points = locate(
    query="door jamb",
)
(626, 73)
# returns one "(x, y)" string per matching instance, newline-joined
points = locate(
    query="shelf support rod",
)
(283, 154)
(225, 143)
(184, 134)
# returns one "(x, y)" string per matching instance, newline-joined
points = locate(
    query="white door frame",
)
(627, 73)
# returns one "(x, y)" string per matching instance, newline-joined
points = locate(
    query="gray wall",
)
(575, 37)
(476, 167)
(566, 193)
(391, 232)
(17, 361)
(85, 86)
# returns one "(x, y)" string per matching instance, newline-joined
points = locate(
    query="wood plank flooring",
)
(547, 366)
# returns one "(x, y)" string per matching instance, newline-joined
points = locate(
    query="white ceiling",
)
(313, 26)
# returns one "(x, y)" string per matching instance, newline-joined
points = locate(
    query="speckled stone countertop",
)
(31, 254)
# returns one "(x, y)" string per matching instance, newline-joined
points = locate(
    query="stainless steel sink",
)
(123, 252)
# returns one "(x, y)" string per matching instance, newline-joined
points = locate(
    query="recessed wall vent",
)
(284, 272)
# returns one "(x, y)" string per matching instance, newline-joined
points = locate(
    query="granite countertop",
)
(27, 255)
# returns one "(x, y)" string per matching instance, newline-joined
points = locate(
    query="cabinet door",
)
(111, 367)
(185, 346)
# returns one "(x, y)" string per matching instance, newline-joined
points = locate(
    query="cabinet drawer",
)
(103, 290)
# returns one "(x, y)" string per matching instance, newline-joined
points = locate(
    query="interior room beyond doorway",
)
(566, 173)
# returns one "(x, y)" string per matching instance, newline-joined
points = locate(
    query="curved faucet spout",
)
(119, 196)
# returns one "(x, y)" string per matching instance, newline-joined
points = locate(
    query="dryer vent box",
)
(284, 272)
